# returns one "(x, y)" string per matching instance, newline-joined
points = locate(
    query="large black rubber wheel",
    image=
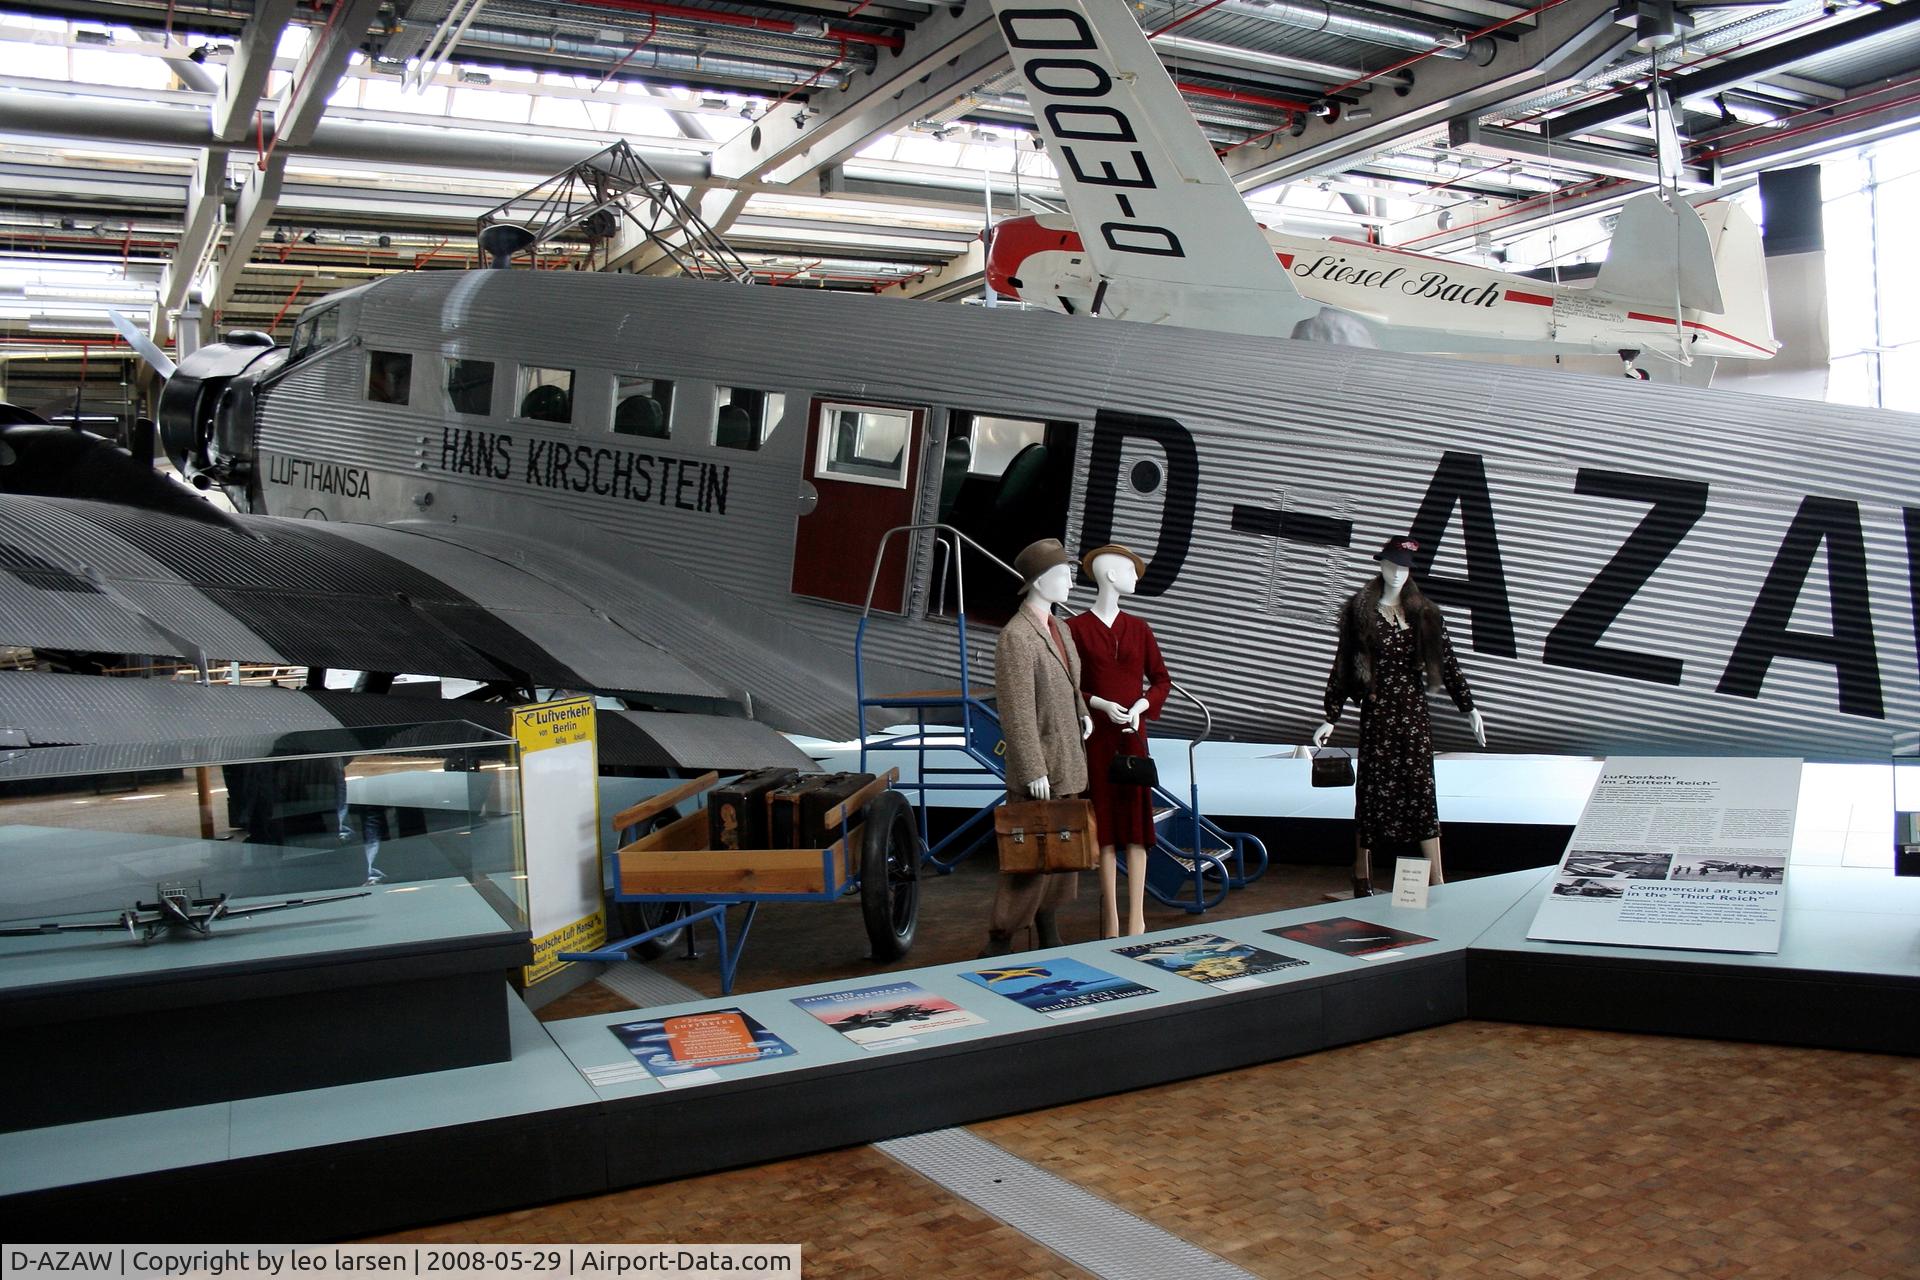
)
(630, 918)
(890, 875)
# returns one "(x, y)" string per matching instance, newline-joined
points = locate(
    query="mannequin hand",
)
(1110, 709)
(1134, 713)
(1086, 727)
(1478, 726)
(1040, 788)
(1321, 735)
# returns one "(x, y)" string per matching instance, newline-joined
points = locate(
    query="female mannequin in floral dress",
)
(1126, 684)
(1394, 648)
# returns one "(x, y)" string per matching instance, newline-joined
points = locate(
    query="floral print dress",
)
(1395, 802)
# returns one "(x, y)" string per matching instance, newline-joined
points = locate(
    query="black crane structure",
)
(176, 909)
(595, 198)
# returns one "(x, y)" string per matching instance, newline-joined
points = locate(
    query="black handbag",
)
(1133, 771)
(1333, 769)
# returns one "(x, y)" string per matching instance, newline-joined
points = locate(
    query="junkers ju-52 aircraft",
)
(672, 492)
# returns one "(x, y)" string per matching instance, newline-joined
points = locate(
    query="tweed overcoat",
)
(1040, 707)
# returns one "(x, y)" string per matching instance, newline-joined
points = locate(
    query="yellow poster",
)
(560, 813)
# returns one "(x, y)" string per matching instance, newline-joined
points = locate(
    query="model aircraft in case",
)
(175, 908)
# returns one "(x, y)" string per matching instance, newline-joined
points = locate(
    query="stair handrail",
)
(960, 591)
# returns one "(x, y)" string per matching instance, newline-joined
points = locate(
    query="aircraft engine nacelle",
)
(1040, 260)
(206, 410)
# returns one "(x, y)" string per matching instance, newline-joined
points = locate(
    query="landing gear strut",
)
(1627, 366)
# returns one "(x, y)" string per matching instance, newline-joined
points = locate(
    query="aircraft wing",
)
(115, 925)
(102, 578)
(291, 904)
(1161, 221)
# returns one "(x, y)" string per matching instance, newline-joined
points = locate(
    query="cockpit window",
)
(389, 377)
(315, 330)
(546, 395)
(470, 386)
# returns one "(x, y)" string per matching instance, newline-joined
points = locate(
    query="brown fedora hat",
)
(1037, 558)
(1111, 549)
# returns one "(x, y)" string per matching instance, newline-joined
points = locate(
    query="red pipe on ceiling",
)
(1240, 96)
(786, 26)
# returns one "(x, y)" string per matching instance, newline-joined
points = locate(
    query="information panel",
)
(560, 804)
(1678, 852)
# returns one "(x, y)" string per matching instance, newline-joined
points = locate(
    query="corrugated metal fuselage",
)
(1624, 566)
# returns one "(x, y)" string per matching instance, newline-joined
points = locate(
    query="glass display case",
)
(1906, 804)
(181, 922)
(88, 833)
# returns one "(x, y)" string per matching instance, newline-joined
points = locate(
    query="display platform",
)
(574, 1111)
(393, 984)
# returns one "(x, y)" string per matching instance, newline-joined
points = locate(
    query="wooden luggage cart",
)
(676, 881)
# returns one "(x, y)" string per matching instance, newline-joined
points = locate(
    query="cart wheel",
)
(638, 917)
(890, 876)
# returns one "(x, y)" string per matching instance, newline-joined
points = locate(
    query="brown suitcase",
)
(783, 810)
(737, 811)
(833, 790)
(1046, 836)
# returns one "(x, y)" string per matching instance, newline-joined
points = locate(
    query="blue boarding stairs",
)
(1194, 863)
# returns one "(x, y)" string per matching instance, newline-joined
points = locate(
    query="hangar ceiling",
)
(256, 154)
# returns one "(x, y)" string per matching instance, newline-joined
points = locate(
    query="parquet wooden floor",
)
(1481, 1149)
(857, 1214)
(1477, 1149)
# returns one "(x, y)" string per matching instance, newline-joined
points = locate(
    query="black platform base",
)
(88, 1051)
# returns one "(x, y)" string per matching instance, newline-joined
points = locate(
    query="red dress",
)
(1119, 663)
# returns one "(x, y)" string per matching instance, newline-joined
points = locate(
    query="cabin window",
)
(546, 395)
(643, 407)
(743, 416)
(315, 330)
(389, 377)
(863, 444)
(470, 386)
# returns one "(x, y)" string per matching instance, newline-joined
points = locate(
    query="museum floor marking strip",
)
(1076, 1224)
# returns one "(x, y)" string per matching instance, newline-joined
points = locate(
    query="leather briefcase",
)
(1333, 769)
(737, 810)
(1046, 836)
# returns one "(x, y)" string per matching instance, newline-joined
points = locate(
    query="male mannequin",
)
(1393, 648)
(1037, 681)
(1126, 682)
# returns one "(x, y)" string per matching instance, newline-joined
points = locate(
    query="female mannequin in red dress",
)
(1126, 684)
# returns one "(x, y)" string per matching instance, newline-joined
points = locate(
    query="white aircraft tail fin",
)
(1746, 312)
(1163, 225)
(1661, 254)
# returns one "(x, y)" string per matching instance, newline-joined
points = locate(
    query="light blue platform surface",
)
(425, 911)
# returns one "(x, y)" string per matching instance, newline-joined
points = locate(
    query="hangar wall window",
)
(743, 416)
(864, 445)
(315, 330)
(1872, 199)
(470, 386)
(546, 395)
(643, 407)
(389, 377)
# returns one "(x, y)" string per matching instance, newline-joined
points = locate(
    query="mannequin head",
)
(1115, 570)
(1051, 587)
(1395, 559)
(1393, 577)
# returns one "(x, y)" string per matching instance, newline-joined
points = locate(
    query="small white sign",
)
(1247, 983)
(1410, 882)
(688, 1079)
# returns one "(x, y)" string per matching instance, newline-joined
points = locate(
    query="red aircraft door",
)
(863, 463)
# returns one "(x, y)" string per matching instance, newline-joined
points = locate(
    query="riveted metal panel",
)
(1368, 427)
